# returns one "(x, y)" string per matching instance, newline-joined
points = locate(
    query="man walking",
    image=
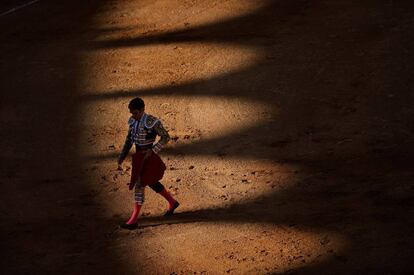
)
(147, 166)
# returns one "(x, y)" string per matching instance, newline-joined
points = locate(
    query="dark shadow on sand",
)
(43, 185)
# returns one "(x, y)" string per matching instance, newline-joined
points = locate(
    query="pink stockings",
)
(169, 198)
(135, 213)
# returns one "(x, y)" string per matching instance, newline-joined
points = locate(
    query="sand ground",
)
(291, 124)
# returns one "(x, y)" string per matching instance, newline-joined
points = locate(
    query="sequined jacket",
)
(143, 133)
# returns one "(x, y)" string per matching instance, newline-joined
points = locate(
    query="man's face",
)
(136, 114)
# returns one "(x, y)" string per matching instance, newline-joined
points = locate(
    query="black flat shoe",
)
(170, 212)
(129, 226)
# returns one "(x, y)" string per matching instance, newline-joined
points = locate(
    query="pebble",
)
(325, 240)
(223, 197)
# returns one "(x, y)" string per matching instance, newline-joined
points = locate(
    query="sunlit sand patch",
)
(159, 66)
(235, 247)
(149, 17)
(204, 117)
(229, 182)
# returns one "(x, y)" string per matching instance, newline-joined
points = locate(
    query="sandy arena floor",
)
(292, 136)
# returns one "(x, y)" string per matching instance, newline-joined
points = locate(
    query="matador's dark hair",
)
(136, 104)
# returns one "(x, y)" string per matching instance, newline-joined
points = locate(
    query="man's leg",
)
(160, 189)
(139, 196)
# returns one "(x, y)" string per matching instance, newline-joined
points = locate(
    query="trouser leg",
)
(139, 193)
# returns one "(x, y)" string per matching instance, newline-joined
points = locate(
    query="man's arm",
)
(125, 149)
(164, 137)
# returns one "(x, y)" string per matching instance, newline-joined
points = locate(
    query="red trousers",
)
(151, 170)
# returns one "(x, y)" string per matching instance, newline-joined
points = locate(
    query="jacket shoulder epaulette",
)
(131, 121)
(150, 121)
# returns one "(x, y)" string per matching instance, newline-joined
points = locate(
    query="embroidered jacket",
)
(142, 133)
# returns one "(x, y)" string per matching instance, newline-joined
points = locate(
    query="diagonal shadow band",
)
(235, 30)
